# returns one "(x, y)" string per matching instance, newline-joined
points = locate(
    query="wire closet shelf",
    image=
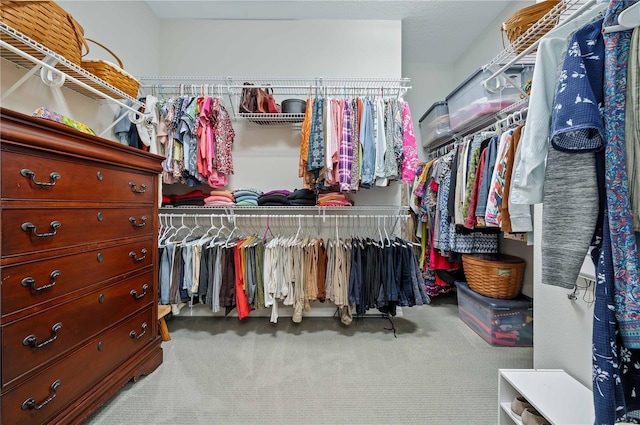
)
(230, 90)
(300, 221)
(526, 45)
(27, 53)
(523, 49)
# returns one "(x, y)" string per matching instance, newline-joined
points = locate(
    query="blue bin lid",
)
(520, 302)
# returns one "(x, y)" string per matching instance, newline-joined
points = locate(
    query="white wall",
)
(267, 157)
(129, 29)
(563, 328)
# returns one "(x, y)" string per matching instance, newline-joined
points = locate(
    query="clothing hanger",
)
(628, 19)
(193, 229)
(163, 226)
(295, 239)
(379, 230)
(387, 242)
(168, 230)
(217, 235)
(208, 232)
(235, 227)
(172, 238)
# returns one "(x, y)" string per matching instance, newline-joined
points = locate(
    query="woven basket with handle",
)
(494, 276)
(524, 18)
(46, 23)
(111, 74)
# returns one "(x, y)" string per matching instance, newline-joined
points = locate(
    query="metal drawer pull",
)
(134, 335)
(29, 281)
(32, 227)
(25, 172)
(135, 295)
(31, 403)
(132, 220)
(32, 340)
(133, 186)
(138, 259)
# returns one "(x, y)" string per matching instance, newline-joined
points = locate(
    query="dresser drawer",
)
(68, 379)
(28, 284)
(43, 176)
(35, 230)
(60, 328)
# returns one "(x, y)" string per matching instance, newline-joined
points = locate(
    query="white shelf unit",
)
(522, 50)
(556, 395)
(349, 220)
(230, 90)
(27, 53)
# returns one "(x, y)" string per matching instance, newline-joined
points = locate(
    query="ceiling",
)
(433, 31)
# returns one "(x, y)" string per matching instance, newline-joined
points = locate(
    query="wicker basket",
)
(111, 74)
(46, 23)
(524, 18)
(494, 276)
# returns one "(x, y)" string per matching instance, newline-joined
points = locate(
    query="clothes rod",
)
(283, 216)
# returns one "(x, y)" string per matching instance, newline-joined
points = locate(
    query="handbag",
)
(266, 103)
(248, 101)
(274, 107)
(262, 101)
(258, 100)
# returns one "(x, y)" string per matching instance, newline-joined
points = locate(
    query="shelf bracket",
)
(50, 60)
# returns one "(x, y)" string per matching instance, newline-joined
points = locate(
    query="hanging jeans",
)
(166, 255)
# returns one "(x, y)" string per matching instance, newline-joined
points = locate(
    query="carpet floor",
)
(226, 371)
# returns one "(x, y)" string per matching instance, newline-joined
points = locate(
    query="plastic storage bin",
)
(502, 323)
(434, 124)
(471, 101)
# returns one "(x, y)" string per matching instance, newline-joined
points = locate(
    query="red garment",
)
(193, 194)
(242, 303)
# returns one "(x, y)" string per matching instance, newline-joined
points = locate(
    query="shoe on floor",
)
(530, 416)
(519, 404)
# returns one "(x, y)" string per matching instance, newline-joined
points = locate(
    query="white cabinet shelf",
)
(560, 398)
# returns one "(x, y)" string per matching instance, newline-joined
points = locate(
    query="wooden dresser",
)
(79, 255)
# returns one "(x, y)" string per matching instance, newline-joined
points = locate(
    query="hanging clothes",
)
(623, 240)
(615, 346)
(632, 128)
(346, 150)
(528, 175)
(409, 145)
(492, 215)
